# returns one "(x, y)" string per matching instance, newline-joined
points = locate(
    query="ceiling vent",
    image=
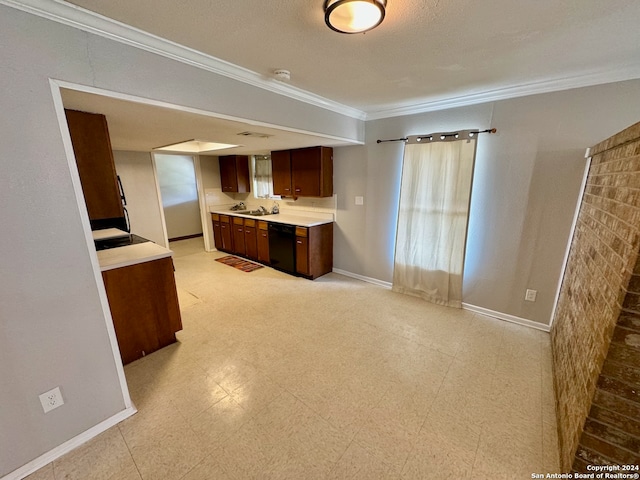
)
(254, 134)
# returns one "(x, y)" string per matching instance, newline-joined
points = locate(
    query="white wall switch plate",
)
(51, 399)
(359, 200)
(530, 295)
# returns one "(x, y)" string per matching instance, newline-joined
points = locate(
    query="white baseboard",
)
(506, 317)
(375, 281)
(472, 308)
(69, 445)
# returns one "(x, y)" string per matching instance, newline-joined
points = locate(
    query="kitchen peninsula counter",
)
(143, 299)
(131, 255)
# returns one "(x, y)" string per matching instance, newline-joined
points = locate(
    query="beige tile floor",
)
(279, 377)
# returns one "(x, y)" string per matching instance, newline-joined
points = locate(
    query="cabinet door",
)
(225, 233)
(228, 177)
(263, 242)
(217, 234)
(234, 174)
(94, 157)
(281, 172)
(251, 242)
(238, 236)
(302, 251)
(312, 171)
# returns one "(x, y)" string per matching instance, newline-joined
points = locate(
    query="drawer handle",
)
(297, 189)
(299, 241)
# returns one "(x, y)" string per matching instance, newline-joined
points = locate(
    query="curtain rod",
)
(442, 136)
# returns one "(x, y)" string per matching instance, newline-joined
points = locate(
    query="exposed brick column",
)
(601, 260)
(612, 430)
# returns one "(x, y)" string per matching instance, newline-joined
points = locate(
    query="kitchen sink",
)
(257, 213)
(253, 213)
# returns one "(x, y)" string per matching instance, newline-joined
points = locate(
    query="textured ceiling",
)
(425, 50)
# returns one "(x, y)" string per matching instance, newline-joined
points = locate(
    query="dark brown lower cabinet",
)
(263, 242)
(237, 224)
(217, 234)
(250, 239)
(314, 250)
(226, 233)
(144, 307)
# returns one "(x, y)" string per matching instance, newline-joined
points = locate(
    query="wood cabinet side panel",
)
(144, 307)
(327, 172)
(92, 148)
(320, 250)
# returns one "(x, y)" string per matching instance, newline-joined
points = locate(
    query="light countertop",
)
(131, 255)
(109, 233)
(300, 220)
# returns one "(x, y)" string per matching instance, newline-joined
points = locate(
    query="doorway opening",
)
(180, 198)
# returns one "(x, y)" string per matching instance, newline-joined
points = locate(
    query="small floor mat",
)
(239, 263)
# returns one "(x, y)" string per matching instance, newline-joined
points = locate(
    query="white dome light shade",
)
(353, 16)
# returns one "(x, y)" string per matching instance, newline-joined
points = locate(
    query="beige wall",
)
(54, 329)
(139, 183)
(525, 191)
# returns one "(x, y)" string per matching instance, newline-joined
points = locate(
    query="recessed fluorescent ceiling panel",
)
(195, 146)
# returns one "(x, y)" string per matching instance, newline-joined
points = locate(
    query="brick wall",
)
(611, 432)
(601, 260)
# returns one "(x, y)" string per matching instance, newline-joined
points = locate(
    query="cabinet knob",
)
(297, 189)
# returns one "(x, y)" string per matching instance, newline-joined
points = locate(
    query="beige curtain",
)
(432, 220)
(263, 176)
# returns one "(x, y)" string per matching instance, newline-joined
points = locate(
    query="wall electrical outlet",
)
(51, 399)
(530, 295)
(359, 200)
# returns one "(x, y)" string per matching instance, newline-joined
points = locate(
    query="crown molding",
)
(85, 20)
(91, 22)
(630, 72)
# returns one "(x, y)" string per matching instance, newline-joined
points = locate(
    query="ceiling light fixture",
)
(354, 16)
(194, 146)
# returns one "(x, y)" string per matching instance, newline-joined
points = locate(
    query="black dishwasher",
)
(282, 247)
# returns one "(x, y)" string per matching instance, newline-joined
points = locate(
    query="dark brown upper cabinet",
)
(234, 174)
(94, 157)
(281, 172)
(303, 172)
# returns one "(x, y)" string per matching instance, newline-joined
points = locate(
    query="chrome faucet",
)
(263, 210)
